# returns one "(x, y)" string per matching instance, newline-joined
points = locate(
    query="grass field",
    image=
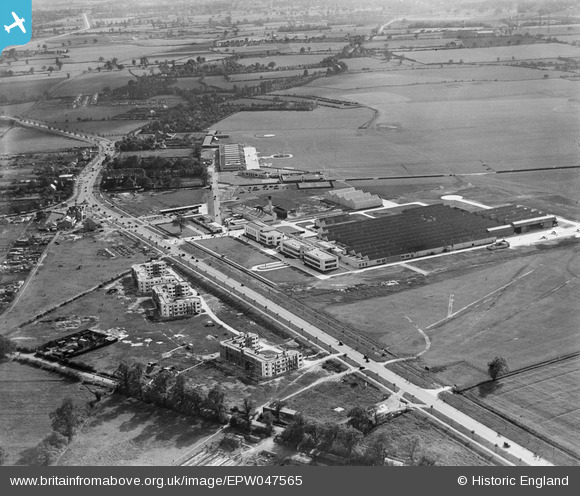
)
(88, 84)
(125, 432)
(445, 449)
(493, 54)
(27, 88)
(105, 128)
(28, 396)
(140, 204)
(319, 402)
(60, 110)
(543, 399)
(24, 140)
(241, 253)
(513, 303)
(59, 278)
(434, 128)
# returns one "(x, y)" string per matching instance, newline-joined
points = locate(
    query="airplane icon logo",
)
(15, 14)
(17, 23)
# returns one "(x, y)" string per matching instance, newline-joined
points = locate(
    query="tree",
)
(278, 405)
(45, 452)
(3, 456)
(498, 366)
(360, 419)
(67, 418)
(248, 410)
(6, 346)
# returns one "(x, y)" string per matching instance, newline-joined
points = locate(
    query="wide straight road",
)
(87, 192)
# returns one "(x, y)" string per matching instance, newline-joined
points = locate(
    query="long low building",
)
(354, 199)
(422, 231)
(244, 351)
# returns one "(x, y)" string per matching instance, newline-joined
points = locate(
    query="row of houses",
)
(173, 297)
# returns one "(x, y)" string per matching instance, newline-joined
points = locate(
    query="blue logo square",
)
(15, 22)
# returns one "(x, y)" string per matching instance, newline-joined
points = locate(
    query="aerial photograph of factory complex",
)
(266, 233)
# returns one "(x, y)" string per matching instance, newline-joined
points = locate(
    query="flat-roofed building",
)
(176, 300)
(320, 260)
(150, 274)
(231, 158)
(244, 351)
(293, 247)
(263, 233)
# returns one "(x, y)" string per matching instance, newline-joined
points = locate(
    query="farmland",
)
(494, 54)
(20, 140)
(122, 431)
(541, 399)
(423, 128)
(28, 396)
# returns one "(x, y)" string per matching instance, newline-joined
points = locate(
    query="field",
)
(494, 54)
(123, 313)
(105, 128)
(20, 140)
(70, 268)
(284, 60)
(508, 307)
(431, 128)
(28, 396)
(166, 152)
(319, 402)
(60, 110)
(141, 204)
(124, 432)
(443, 447)
(26, 88)
(543, 399)
(88, 84)
(241, 253)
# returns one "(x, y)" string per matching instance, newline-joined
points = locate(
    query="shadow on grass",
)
(157, 424)
(488, 388)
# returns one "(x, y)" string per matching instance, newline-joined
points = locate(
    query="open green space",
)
(28, 396)
(346, 392)
(123, 431)
(20, 140)
(149, 203)
(71, 267)
(542, 399)
(503, 310)
(493, 54)
(237, 251)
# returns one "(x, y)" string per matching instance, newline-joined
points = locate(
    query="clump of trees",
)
(65, 422)
(152, 172)
(496, 367)
(173, 393)
(6, 347)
